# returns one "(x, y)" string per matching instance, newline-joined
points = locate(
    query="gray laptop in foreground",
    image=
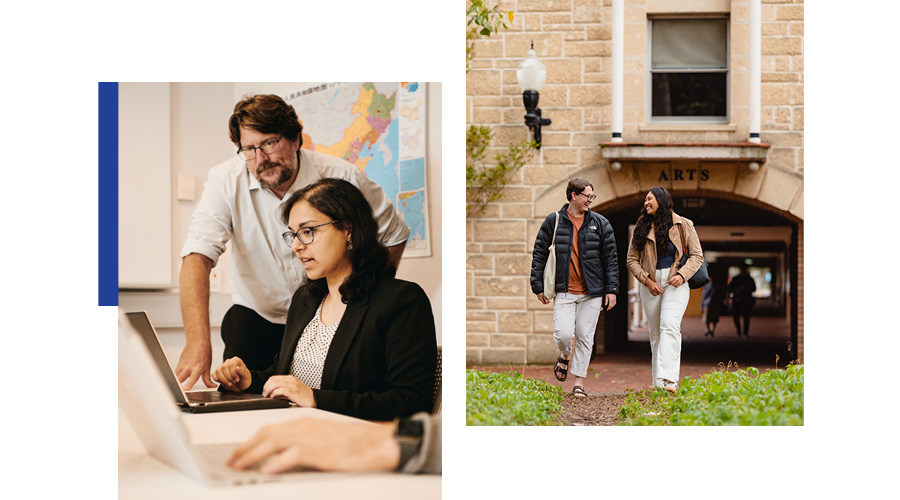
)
(196, 401)
(157, 422)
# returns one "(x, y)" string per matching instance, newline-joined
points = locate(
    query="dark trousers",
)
(251, 337)
(741, 311)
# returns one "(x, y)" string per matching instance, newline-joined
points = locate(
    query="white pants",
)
(664, 313)
(575, 317)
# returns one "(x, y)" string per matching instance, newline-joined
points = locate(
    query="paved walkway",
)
(630, 367)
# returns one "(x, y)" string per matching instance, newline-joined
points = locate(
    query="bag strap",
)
(683, 247)
(553, 240)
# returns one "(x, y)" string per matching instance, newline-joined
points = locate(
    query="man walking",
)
(587, 277)
(740, 290)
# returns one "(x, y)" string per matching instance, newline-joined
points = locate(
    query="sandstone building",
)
(703, 97)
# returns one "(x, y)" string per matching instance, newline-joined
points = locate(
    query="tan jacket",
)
(643, 264)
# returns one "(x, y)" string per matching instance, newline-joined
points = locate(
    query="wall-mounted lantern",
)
(531, 75)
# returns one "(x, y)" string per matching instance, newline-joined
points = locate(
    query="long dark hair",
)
(343, 202)
(662, 222)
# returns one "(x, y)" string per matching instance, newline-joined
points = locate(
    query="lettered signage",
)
(684, 174)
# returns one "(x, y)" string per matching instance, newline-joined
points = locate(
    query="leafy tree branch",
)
(482, 20)
(485, 182)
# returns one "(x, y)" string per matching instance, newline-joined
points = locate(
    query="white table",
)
(143, 476)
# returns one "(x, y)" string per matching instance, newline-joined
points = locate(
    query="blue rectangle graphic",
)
(108, 191)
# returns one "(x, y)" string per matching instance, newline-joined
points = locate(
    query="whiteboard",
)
(145, 186)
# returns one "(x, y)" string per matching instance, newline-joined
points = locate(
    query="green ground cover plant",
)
(509, 399)
(723, 397)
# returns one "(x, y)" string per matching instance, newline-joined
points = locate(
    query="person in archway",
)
(587, 278)
(740, 292)
(654, 257)
(711, 305)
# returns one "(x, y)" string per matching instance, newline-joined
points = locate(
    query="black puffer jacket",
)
(596, 249)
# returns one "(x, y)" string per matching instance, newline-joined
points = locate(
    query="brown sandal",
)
(559, 373)
(578, 392)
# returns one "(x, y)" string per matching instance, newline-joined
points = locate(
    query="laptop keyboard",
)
(215, 453)
(217, 397)
(215, 456)
(204, 396)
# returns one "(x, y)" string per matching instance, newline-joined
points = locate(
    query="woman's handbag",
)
(701, 277)
(550, 266)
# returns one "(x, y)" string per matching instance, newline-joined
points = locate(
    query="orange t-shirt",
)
(576, 280)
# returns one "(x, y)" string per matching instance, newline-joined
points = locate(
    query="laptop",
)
(158, 425)
(195, 401)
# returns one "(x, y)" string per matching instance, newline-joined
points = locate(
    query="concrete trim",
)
(673, 151)
(748, 187)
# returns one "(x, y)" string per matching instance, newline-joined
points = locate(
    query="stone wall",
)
(573, 38)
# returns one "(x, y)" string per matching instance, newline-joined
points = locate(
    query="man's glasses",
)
(306, 235)
(589, 197)
(268, 148)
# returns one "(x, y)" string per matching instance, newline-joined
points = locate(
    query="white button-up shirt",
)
(265, 273)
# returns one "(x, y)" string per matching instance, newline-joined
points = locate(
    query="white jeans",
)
(664, 313)
(575, 317)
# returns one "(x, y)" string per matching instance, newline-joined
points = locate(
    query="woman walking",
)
(586, 278)
(654, 258)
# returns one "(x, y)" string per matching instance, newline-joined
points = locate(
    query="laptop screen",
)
(141, 322)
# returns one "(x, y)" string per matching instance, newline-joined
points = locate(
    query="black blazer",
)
(382, 359)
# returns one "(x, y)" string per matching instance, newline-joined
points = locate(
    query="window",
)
(689, 70)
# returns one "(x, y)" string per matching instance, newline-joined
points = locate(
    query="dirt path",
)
(595, 409)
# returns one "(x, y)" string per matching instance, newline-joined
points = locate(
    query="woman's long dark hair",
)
(343, 202)
(662, 222)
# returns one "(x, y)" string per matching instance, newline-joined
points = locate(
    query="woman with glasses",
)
(587, 278)
(654, 258)
(241, 204)
(357, 341)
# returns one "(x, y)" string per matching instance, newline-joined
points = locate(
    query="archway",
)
(732, 229)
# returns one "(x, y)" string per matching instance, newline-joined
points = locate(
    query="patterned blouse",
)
(309, 357)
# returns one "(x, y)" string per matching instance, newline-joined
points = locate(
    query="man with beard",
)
(240, 203)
